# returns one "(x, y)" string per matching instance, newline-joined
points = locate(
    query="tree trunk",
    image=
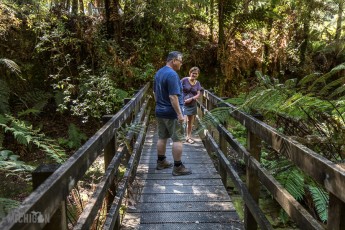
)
(221, 20)
(211, 20)
(306, 30)
(81, 7)
(68, 5)
(266, 49)
(246, 6)
(339, 21)
(113, 19)
(75, 7)
(99, 3)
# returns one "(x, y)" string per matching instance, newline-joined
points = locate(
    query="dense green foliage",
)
(63, 68)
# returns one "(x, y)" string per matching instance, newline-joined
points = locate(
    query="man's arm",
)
(176, 105)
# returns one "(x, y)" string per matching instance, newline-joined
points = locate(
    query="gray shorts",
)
(190, 110)
(170, 128)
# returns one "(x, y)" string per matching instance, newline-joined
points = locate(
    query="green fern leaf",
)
(321, 199)
(20, 137)
(28, 112)
(36, 99)
(11, 65)
(26, 135)
(309, 78)
(264, 79)
(338, 91)
(4, 97)
(9, 163)
(6, 205)
(324, 77)
(291, 83)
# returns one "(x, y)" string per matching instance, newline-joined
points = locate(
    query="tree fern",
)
(321, 201)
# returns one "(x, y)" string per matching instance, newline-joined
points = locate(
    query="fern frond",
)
(330, 86)
(6, 205)
(28, 112)
(293, 181)
(321, 201)
(288, 176)
(36, 99)
(26, 135)
(324, 77)
(4, 97)
(9, 163)
(75, 137)
(339, 90)
(11, 65)
(291, 83)
(263, 79)
(309, 78)
(239, 100)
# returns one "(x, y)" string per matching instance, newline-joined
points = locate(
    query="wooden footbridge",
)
(142, 197)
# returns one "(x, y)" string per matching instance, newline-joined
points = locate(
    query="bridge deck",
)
(196, 201)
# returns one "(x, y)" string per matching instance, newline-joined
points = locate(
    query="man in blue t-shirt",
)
(167, 89)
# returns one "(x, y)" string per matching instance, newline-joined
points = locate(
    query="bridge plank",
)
(164, 201)
(185, 226)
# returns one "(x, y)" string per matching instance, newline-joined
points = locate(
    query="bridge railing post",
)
(223, 145)
(109, 153)
(336, 213)
(59, 220)
(128, 122)
(252, 181)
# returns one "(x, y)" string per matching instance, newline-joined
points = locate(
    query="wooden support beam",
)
(59, 219)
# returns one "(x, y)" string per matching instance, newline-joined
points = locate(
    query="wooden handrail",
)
(327, 173)
(47, 197)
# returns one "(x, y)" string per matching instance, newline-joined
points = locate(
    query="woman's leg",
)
(190, 126)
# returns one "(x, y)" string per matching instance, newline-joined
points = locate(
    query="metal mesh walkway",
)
(196, 201)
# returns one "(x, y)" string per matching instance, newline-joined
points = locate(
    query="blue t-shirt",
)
(166, 83)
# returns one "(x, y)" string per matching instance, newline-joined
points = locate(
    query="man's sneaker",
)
(181, 170)
(163, 164)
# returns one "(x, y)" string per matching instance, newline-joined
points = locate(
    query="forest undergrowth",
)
(64, 67)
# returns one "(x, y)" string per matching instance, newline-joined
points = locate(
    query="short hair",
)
(174, 55)
(194, 69)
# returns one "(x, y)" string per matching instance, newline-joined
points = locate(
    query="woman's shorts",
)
(190, 110)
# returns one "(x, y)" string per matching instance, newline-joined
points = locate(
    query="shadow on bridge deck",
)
(164, 201)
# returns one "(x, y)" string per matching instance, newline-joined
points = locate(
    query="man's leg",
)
(161, 147)
(162, 163)
(177, 149)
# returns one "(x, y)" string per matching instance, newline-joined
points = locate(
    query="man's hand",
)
(181, 118)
